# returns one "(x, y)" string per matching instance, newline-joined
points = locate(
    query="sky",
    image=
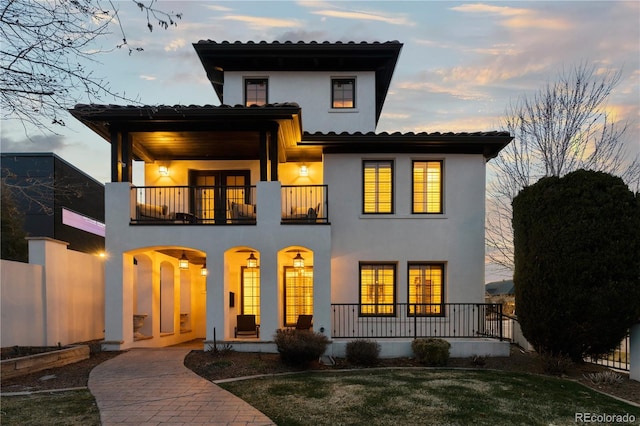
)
(461, 64)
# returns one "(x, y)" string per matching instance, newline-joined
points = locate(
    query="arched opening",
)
(243, 283)
(296, 266)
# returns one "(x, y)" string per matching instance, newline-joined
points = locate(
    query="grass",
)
(73, 408)
(410, 397)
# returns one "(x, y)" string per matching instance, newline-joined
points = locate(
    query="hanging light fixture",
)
(204, 271)
(304, 171)
(252, 262)
(298, 261)
(183, 263)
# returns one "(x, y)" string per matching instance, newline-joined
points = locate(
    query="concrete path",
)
(145, 387)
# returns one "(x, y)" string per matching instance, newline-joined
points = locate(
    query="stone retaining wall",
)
(16, 367)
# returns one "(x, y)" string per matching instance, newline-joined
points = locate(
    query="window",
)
(343, 91)
(255, 91)
(298, 293)
(250, 297)
(427, 187)
(377, 186)
(377, 289)
(425, 288)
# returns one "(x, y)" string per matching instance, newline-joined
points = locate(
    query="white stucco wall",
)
(312, 91)
(56, 298)
(455, 237)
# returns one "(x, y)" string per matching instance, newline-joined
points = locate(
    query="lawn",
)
(424, 397)
(73, 408)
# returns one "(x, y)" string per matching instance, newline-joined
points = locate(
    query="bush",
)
(363, 352)
(300, 347)
(577, 269)
(555, 364)
(432, 352)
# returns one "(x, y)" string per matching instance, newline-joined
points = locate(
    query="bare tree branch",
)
(45, 52)
(563, 127)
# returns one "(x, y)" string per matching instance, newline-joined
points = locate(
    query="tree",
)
(14, 244)
(577, 269)
(46, 49)
(562, 128)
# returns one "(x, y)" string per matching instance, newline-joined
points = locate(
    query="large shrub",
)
(577, 263)
(363, 352)
(430, 351)
(300, 347)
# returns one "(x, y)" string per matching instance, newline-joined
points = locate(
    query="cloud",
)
(175, 45)
(147, 77)
(260, 23)
(516, 18)
(37, 143)
(217, 8)
(365, 16)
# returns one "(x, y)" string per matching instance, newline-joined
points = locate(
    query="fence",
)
(413, 320)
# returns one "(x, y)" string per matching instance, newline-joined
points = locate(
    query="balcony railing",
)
(209, 205)
(225, 205)
(305, 204)
(413, 320)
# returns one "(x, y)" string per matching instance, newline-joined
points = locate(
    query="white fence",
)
(56, 298)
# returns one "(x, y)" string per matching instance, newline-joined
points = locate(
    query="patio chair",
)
(246, 326)
(305, 322)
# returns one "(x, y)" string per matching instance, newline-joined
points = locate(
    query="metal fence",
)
(305, 204)
(413, 320)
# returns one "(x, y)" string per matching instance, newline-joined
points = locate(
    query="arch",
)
(296, 283)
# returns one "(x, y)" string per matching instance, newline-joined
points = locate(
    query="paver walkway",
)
(153, 387)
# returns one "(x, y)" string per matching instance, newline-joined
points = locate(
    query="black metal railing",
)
(303, 204)
(413, 320)
(619, 358)
(210, 205)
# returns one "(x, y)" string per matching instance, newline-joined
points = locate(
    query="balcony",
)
(224, 205)
(416, 320)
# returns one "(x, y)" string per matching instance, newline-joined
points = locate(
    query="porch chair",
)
(246, 326)
(305, 322)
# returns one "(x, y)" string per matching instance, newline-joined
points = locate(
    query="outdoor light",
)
(183, 263)
(298, 261)
(204, 271)
(304, 171)
(252, 262)
(163, 171)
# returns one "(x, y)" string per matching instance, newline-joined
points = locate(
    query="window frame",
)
(255, 80)
(392, 194)
(392, 312)
(284, 293)
(334, 81)
(413, 185)
(244, 269)
(442, 266)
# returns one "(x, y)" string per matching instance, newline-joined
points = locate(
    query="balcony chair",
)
(246, 326)
(305, 322)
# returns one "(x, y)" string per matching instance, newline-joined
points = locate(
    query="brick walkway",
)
(145, 387)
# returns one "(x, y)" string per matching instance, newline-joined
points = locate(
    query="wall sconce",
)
(298, 261)
(204, 271)
(163, 171)
(183, 263)
(252, 262)
(304, 171)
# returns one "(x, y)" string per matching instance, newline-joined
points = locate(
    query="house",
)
(283, 201)
(58, 199)
(502, 292)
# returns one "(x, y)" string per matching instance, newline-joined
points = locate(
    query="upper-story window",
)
(377, 186)
(427, 187)
(255, 91)
(343, 93)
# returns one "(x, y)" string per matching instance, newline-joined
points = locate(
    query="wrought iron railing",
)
(413, 320)
(303, 204)
(210, 205)
(619, 358)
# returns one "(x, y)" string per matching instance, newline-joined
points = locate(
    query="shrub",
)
(432, 352)
(555, 364)
(363, 352)
(300, 347)
(606, 377)
(576, 245)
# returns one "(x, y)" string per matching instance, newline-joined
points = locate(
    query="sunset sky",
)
(461, 64)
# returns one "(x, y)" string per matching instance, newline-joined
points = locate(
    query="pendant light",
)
(183, 263)
(298, 261)
(204, 271)
(252, 261)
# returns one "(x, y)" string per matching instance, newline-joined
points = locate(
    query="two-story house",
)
(283, 201)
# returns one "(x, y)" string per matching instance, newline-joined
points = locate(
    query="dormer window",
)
(255, 91)
(343, 93)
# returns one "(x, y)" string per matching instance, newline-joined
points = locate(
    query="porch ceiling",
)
(195, 257)
(164, 133)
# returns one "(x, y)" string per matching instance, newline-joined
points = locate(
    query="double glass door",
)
(215, 191)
